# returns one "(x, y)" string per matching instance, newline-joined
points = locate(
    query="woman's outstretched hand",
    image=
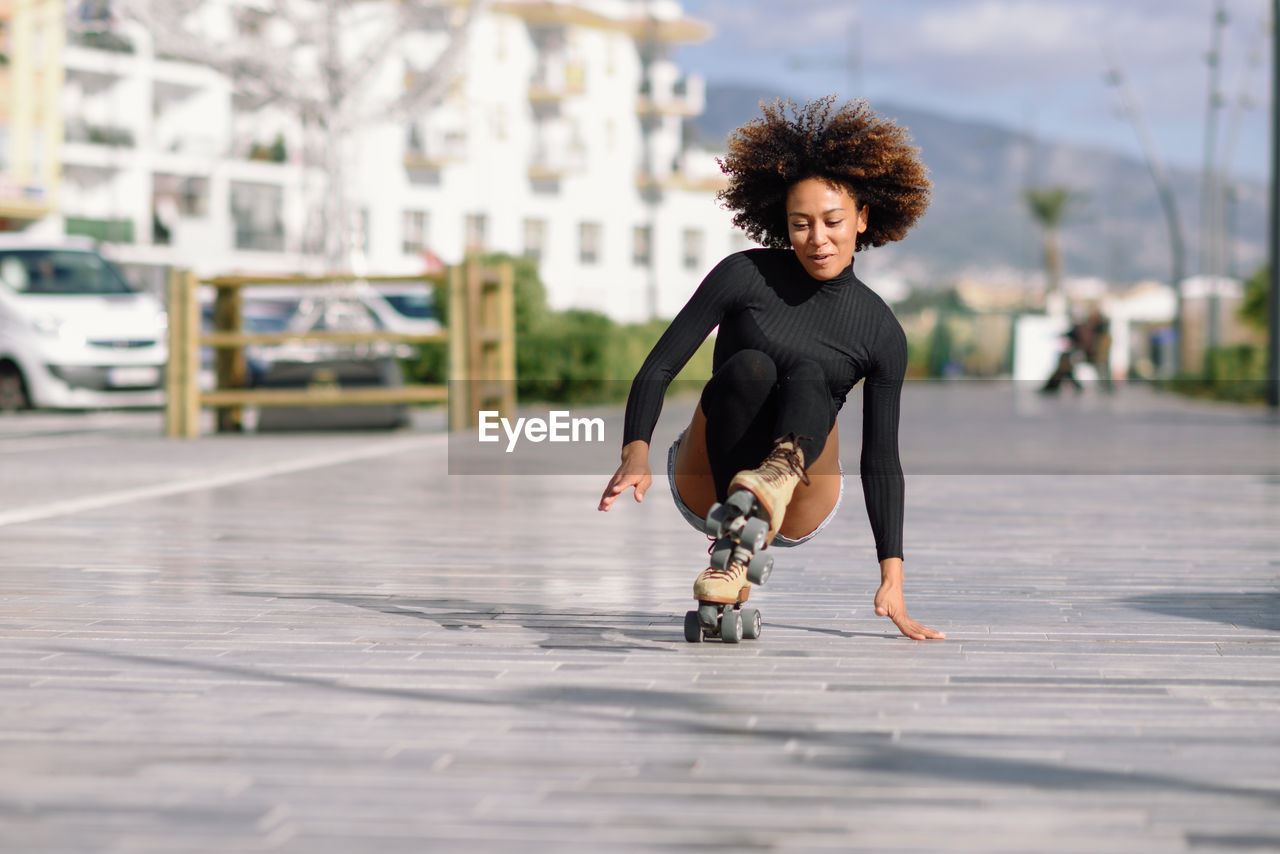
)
(633, 472)
(890, 603)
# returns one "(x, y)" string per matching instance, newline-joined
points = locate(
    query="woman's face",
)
(824, 222)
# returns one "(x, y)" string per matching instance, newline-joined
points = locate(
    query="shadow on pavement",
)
(1246, 610)
(612, 631)
(712, 719)
(839, 633)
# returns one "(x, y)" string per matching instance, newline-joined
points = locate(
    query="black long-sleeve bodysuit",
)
(763, 299)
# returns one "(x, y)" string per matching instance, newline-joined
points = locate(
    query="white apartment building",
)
(561, 141)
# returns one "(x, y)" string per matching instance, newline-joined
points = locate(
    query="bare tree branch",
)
(318, 60)
(431, 85)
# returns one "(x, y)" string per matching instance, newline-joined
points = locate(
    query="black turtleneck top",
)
(764, 300)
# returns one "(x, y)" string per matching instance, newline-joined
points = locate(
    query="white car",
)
(403, 307)
(73, 333)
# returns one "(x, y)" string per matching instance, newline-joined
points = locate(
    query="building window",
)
(413, 140)
(535, 238)
(589, 239)
(476, 233)
(642, 245)
(692, 244)
(414, 228)
(257, 210)
(360, 240)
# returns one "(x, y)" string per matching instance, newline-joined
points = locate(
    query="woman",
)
(797, 331)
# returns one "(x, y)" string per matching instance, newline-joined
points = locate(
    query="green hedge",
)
(105, 230)
(573, 356)
(1236, 373)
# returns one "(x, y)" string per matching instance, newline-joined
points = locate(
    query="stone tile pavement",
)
(326, 643)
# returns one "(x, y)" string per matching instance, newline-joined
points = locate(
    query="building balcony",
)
(550, 165)
(449, 150)
(553, 83)
(111, 136)
(668, 24)
(664, 22)
(169, 143)
(94, 162)
(99, 68)
(435, 154)
(545, 13)
(104, 40)
(688, 181)
(266, 150)
(685, 97)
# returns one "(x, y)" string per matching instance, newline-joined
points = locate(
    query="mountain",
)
(978, 223)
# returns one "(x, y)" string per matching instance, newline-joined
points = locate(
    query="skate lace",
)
(784, 461)
(733, 569)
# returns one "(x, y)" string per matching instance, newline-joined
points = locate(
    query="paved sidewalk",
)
(326, 643)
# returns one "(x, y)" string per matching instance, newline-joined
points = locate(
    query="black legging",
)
(749, 408)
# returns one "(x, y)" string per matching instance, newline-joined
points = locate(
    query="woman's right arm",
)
(677, 345)
(633, 471)
(674, 349)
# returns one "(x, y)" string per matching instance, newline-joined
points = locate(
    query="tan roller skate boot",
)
(774, 481)
(727, 586)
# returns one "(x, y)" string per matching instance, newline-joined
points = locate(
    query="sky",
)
(1033, 65)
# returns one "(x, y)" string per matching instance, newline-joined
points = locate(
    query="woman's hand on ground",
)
(890, 603)
(622, 481)
(633, 472)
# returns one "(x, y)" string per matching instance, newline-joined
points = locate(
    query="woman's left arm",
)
(883, 485)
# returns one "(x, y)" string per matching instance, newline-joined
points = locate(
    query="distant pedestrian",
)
(1088, 341)
(1094, 341)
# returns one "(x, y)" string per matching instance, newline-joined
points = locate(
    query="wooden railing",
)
(480, 336)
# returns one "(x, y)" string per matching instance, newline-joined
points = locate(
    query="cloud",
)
(1006, 27)
(1012, 61)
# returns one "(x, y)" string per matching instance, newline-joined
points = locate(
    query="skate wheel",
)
(754, 534)
(741, 501)
(731, 626)
(759, 568)
(709, 617)
(721, 552)
(692, 628)
(751, 623)
(714, 523)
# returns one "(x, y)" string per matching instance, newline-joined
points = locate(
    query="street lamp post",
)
(1165, 194)
(1273, 311)
(1209, 182)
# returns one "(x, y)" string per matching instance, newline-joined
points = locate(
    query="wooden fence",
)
(480, 337)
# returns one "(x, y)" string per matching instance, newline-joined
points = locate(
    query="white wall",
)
(197, 134)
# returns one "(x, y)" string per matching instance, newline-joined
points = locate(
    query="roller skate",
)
(720, 592)
(771, 484)
(742, 528)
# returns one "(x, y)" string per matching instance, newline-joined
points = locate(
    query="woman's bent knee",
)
(748, 366)
(747, 378)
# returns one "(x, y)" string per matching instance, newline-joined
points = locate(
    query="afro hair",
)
(850, 147)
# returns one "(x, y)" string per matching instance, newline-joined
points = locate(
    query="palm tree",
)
(1048, 207)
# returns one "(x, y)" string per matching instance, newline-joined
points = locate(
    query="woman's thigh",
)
(694, 481)
(813, 503)
(810, 505)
